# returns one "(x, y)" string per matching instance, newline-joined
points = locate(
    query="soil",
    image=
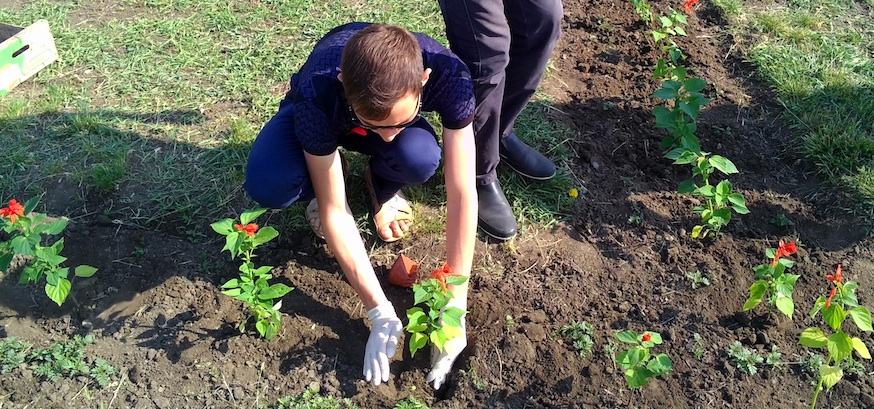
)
(618, 262)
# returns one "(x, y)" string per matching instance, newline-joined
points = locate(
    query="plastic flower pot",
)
(403, 272)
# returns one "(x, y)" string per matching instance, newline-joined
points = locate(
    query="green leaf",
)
(456, 280)
(417, 320)
(707, 191)
(834, 316)
(757, 291)
(627, 336)
(830, 375)
(234, 292)
(663, 116)
(655, 337)
(860, 348)
(665, 93)
(29, 274)
(223, 227)
(861, 317)
(48, 255)
(817, 306)
(637, 378)
(783, 287)
(723, 189)
(660, 365)
(450, 332)
(85, 271)
(763, 271)
(813, 338)
(690, 110)
(232, 244)
(5, 260)
(20, 245)
(249, 215)
(452, 316)
(695, 84)
(261, 326)
(785, 305)
(658, 36)
(264, 235)
(723, 165)
(696, 231)
(688, 156)
(417, 341)
(30, 205)
(687, 186)
(420, 294)
(274, 291)
(232, 283)
(56, 227)
(438, 338)
(58, 293)
(840, 346)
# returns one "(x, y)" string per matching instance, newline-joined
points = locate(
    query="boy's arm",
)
(461, 202)
(341, 233)
(461, 219)
(340, 230)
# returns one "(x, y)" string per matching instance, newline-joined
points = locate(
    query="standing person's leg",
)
(276, 172)
(478, 33)
(535, 26)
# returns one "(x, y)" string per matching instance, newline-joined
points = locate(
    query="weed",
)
(509, 323)
(697, 279)
(696, 346)
(411, 403)
(636, 216)
(478, 382)
(310, 399)
(641, 7)
(102, 372)
(12, 354)
(579, 334)
(743, 359)
(781, 220)
(63, 359)
(772, 358)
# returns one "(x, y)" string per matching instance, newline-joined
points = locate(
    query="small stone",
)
(239, 393)
(624, 307)
(87, 325)
(867, 399)
(537, 316)
(152, 355)
(134, 375)
(595, 165)
(162, 402)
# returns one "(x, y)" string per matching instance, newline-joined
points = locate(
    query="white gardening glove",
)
(441, 362)
(382, 343)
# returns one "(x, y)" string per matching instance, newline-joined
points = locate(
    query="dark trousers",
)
(277, 175)
(506, 44)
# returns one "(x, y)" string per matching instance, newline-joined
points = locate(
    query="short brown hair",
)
(380, 65)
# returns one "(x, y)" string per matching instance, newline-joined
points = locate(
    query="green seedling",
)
(744, 359)
(441, 322)
(638, 363)
(579, 334)
(772, 283)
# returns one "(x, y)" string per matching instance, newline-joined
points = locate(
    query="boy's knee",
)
(419, 161)
(274, 190)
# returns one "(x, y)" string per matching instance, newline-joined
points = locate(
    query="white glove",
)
(441, 362)
(382, 343)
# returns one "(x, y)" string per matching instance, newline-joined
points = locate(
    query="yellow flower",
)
(573, 193)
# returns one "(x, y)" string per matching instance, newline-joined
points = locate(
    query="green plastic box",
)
(24, 51)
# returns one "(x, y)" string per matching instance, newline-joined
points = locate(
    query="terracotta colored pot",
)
(403, 272)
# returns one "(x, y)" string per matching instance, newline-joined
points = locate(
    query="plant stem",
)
(816, 393)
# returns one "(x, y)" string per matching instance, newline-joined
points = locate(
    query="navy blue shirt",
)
(322, 114)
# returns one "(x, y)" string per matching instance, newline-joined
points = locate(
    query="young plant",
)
(745, 360)
(840, 304)
(26, 229)
(696, 346)
(686, 101)
(719, 200)
(697, 279)
(642, 8)
(12, 354)
(441, 322)
(252, 287)
(638, 363)
(579, 334)
(773, 284)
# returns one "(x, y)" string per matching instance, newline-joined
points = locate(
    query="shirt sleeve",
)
(314, 106)
(449, 90)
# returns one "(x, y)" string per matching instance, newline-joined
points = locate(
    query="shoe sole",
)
(504, 161)
(492, 235)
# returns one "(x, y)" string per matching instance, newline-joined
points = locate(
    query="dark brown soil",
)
(618, 263)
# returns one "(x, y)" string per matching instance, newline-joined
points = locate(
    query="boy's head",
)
(380, 66)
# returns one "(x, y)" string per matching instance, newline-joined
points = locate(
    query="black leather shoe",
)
(524, 159)
(495, 215)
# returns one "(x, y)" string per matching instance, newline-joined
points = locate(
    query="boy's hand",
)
(441, 362)
(382, 344)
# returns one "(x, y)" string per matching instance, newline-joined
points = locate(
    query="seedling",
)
(441, 322)
(252, 287)
(743, 359)
(12, 354)
(772, 358)
(781, 220)
(841, 303)
(696, 346)
(411, 403)
(26, 229)
(638, 363)
(311, 398)
(773, 284)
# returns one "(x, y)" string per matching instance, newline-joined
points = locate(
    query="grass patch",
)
(816, 55)
(153, 106)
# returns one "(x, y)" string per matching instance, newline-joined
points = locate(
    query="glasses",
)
(375, 128)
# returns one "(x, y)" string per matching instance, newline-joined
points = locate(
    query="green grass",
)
(817, 57)
(153, 106)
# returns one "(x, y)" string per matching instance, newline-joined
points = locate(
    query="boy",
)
(364, 87)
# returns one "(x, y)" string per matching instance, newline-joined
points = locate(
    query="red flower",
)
(12, 211)
(249, 229)
(646, 337)
(828, 302)
(782, 251)
(687, 5)
(440, 274)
